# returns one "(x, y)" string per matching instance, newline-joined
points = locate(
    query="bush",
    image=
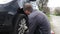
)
(57, 13)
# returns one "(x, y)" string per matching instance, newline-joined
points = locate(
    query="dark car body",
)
(7, 14)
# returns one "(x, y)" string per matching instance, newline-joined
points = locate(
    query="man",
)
(38, 22)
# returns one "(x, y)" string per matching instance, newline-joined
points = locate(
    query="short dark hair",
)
(27, 6)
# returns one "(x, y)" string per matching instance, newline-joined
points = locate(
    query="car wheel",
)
(20, 25)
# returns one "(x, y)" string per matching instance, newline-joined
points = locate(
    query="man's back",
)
(38, 23)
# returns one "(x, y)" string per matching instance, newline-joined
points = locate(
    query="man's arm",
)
(45, 25)
(32, 26)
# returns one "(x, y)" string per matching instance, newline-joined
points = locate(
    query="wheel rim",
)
(22, 26)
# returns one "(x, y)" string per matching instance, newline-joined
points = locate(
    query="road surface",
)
(55, 20)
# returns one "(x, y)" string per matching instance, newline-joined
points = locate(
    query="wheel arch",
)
(16, 17)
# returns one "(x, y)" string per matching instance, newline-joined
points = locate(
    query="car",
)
(12, 17)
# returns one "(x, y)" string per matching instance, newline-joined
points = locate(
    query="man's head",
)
(27, 8)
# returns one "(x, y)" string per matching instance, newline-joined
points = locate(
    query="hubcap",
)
(22, 26)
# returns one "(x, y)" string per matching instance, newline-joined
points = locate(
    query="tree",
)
(57, 11)
(43, 6)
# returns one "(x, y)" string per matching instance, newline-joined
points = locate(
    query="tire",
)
(20, 25)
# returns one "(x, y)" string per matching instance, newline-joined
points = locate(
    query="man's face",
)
(27, 12)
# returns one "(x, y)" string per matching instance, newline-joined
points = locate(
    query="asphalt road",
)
(56, 23)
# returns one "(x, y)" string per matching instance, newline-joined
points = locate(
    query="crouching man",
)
(38, 22)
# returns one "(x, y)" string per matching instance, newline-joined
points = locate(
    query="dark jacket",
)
(38, 23)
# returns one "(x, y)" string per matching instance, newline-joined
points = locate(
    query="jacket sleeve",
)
(44, 24)
(32, 26)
